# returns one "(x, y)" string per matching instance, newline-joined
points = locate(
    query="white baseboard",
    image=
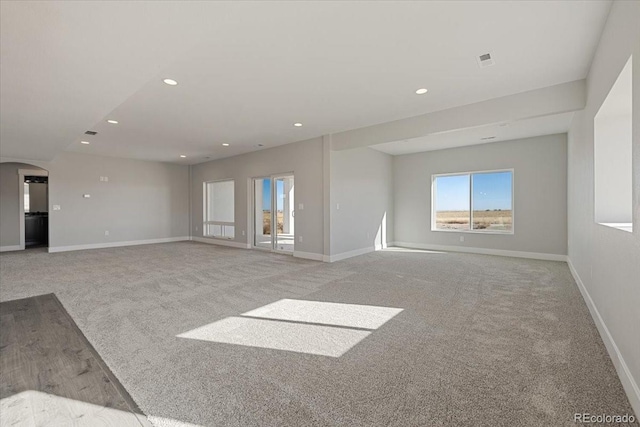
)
(10, 248)
(349, 254)
(308, 255)
(482, 251)
(221, 242)
(116, 244)
(628, 382)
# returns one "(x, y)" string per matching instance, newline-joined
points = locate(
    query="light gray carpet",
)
(480, 340)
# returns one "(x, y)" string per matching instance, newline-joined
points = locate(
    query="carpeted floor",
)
(475, 340)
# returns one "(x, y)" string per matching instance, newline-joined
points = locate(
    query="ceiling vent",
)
(485, 60)
(91, 132)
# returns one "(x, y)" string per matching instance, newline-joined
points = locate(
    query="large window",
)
(475, 201)
(219, 219)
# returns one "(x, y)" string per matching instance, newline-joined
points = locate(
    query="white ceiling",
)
(248, 70)
(537, 126)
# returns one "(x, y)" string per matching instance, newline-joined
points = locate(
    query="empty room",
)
(319, 213)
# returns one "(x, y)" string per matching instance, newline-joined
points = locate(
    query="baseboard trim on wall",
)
(349, 254)
(116, 244)
(10, 248)
(628, 382)
(221, 242)
(308, 255)
(483, 251)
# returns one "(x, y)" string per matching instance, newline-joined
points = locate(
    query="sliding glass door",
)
(262, 213)
(273, 213)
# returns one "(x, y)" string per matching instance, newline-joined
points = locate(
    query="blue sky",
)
(266, 194)
(490, 191)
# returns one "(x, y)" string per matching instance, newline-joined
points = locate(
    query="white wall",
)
(540, 194)
(304, 159)
(607, 260)
(613, 169)
(141, 201)
(362, 184)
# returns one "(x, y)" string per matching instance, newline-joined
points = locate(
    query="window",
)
(475, 201)
(219, 219)
(613, 165)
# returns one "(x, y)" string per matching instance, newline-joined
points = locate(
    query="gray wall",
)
(10, 203)
(362, 184)
(141, 201)
(606, 259)
(540, 193)
(304, 159)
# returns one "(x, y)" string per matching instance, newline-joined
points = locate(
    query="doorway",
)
(273, 213)
(36, 211)
(33, 203)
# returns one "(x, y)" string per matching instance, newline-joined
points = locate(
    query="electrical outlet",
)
(196, 228)
(106, 232)
(243, 232)
(300, 239)
(301, 206)
(462, 238)
(56, 207)
(337, 206)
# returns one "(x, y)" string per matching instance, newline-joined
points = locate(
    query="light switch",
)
(301, 206)
(86, 196)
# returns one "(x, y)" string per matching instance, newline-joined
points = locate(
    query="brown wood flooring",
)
(50, 374)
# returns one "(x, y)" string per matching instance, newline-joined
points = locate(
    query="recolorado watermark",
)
(586, 417)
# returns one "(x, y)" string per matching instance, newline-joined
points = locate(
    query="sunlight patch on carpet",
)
(312, 327)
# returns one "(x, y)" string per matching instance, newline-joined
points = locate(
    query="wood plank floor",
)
(51, 375)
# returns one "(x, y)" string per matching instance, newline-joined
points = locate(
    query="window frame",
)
(471, 230)
(205, 206)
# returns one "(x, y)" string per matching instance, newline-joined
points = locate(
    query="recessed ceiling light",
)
(297, 125)
(183, 156)
(113, 122)
(85, 142)
(225, 145)
(170, 82)
(421, 91)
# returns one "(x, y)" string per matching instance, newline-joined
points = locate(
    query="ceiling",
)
(537, 126)
(248, 70)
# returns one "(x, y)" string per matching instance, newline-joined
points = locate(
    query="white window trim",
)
(471, 231)
(205, 205)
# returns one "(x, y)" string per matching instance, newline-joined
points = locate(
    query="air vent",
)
(91, 132)
(486, 138)
(485, 60)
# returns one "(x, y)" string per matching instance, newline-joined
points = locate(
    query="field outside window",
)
(473, 202)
